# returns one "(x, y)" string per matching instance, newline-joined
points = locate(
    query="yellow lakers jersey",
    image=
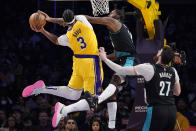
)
(87, 67)
(82, 39)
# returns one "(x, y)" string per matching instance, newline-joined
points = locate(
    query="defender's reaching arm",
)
(111, 23)
(145, 70)
(59, 21)
(115, 67)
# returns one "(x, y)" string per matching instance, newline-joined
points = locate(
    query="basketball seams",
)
(37, 20)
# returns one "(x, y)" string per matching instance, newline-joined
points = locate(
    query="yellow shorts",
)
(87, 74)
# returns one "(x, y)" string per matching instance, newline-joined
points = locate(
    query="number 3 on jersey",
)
(82, 42)
(163, 85)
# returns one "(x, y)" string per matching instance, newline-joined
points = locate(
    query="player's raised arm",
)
(99, 20)
(115, 67)
(59, 21)
(111, 23)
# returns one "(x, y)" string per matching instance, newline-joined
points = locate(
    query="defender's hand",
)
(43, 13)
(102, 54)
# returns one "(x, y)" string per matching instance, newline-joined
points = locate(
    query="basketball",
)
(37, 20)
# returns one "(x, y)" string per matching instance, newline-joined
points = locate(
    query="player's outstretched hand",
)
(102, 54)
(43, 13)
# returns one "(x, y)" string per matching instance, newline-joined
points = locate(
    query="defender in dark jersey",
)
(124, 53)
(162, 83)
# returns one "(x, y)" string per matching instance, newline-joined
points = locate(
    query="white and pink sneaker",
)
(33, 89)
(58, 115)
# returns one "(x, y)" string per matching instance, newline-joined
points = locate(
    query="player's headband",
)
(69, 23)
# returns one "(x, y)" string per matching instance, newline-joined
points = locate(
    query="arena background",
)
(27, 56)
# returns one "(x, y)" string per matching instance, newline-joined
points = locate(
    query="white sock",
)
(108, 92)
(112, 109)
(81, 105)
(62, 91)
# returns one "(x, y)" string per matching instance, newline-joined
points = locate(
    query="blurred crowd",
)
(26, 56)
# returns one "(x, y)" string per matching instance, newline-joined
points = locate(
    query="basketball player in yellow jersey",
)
(87, 69)
(83, 42)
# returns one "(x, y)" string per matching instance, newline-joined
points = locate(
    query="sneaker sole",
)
(54, 119)
(29, 89)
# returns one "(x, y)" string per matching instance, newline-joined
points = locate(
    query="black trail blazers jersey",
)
(122, 40)
(159, 89)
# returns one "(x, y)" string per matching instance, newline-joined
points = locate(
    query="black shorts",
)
(160, 118)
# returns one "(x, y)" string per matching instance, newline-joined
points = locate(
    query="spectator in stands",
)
(28, 124)
(11, 124)
(43, 124)
(3, 119)
(96, 125)
(182, 106)
(44, 105)
(17, 114)
(20, 106)
(71, 125)
(61, 126)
